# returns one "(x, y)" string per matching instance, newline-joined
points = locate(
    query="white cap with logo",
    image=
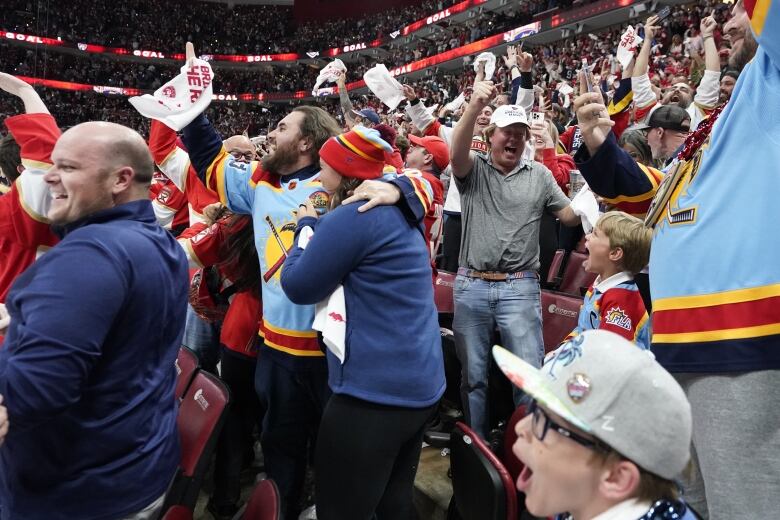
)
(608, 387)
(506, 115)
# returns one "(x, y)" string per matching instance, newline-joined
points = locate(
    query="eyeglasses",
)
(248, 156)
(541, 424)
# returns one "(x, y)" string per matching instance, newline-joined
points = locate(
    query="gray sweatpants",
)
(736, 444)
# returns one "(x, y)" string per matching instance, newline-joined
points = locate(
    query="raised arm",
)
(344, 101)
(644, 97)
(33, 104)
(461, 159)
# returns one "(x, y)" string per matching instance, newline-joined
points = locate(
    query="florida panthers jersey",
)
(24, 230)
(615, 305)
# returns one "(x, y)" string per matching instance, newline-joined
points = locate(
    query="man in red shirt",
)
(430, 156)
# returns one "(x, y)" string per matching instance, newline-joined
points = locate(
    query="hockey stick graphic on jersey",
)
(278, 265)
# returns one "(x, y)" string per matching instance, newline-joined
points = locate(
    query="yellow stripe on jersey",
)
(718, 335)
(720, 298)
(653, 178)
(289, 332)
(760, 12)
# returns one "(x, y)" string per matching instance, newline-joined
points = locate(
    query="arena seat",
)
(443, 292)
(559, 317)
(187, 364)
(482, 487)
(263, 504)
(575, 279)
(554, 274)
(200, 419)
(178, 513)
(510, 461)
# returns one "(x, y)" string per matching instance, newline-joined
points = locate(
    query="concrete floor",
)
(433, 489)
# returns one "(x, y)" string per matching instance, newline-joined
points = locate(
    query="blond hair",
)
(651, 487)
(629, 234)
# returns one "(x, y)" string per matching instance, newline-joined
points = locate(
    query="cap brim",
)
(510, 123)
(415, 140)
(531, 381)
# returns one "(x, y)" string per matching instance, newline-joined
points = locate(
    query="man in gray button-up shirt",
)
(503, 197)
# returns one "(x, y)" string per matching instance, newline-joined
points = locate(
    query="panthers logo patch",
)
(616, 316)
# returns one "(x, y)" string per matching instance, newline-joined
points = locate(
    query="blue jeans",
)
(202, 338)
(512, 306)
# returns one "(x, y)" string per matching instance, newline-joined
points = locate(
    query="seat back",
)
(482, 487)
(559, 317)
(554, 274)
(442, 294)
(263, 504)
(186, 365)
(201, 416)
(509, 459)
(575, 279)
(178, 513)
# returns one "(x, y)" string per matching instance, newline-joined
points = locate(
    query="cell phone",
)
(586, 72)
(663, 13)
(537, 118)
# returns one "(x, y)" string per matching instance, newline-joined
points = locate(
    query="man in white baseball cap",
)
(608, 432)
(503, 196)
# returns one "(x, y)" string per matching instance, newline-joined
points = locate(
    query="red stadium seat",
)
(511, 462)
(178, 513)
(554, 274)
(559, 317)
(263, 504)
(200, 419)
(186, 365)
(575, 279)
(445, 283)
(482, 487)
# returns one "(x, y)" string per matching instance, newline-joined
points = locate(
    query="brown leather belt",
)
(496, 276)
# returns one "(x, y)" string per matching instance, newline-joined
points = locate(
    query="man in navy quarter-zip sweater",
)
(87, 367)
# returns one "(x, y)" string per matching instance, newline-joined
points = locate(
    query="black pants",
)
(293, 402)
(366, 459)
(451, 246)
(236, 442)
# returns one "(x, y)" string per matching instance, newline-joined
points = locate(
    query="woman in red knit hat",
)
(384, 354)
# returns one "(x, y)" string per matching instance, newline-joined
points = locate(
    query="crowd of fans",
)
(166, 26)
(678, 54)
(553, 63)
(495, 176)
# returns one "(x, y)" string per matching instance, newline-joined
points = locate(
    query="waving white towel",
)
(384, 86)
(180, 100)
(490, 64)
(329, 74)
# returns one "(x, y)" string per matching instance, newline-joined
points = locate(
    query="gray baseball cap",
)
(610, 388)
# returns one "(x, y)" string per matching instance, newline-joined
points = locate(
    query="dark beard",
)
(281, 159)
(745, 53)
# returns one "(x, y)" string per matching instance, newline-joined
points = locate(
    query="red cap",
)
(435, 146)
(359, 153)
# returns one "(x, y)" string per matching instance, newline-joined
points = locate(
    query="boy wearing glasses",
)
(608, 431)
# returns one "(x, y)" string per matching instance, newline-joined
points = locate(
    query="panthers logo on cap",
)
(578, 387)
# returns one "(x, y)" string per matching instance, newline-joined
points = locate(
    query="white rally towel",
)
(384, 86)
(330, 315)
(5, 318)
(456, 103)
(329, 74)
(628, 44)
(586, 206)
(180, 100)
(490, 64)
